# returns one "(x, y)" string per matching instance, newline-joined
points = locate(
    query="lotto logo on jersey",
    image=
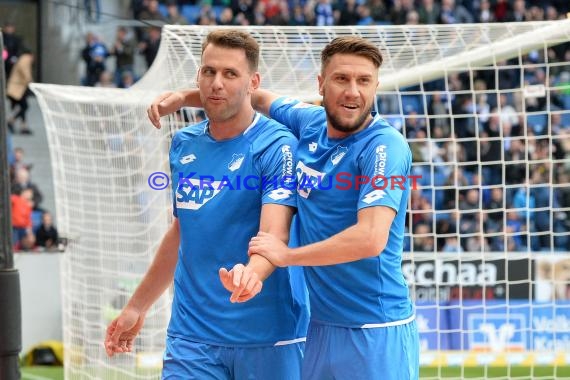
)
(192, 193)
(495, 332)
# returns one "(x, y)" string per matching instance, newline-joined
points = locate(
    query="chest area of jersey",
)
(210, 174)
(326, 170)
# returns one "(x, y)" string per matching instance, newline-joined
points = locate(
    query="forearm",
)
(261, 100)
(275, 220)
(160, 274)
(261, 266)
(352, 244)
(191, 98)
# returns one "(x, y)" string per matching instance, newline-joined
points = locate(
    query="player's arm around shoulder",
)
(169, 102)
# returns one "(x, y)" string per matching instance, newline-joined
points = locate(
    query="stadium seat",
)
(412, 103)
(537, 122)
(191, 12)
(163, 9)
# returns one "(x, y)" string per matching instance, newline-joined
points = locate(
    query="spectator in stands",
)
(453, 14)
(22, 206)
(18, 91)
(106, 80)
(13, 46)
(429, 12)
(22, 182)
(47, 235)
(94, 54)
(17, 163)
(127, 80)
(174, 16)
(485, 13)
(149, 47)
(348, 13)
(501, 10)
(423, 238)
(518, 12)
(377, 9)
(226, 17)
(152, 13)
(124, 51)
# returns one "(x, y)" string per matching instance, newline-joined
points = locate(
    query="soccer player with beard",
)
(351, 212)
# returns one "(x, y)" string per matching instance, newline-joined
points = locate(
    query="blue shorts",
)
(186, 360)
(339, 353)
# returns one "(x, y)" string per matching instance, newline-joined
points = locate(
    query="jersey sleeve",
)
(277, 171)
(293, 113)
(385, 166)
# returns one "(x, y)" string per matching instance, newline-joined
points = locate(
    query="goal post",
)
(486, 111)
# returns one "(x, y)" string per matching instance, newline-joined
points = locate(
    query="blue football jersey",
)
(336, 178)
(219, 188)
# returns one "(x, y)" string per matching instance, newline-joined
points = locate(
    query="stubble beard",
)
(343, 127)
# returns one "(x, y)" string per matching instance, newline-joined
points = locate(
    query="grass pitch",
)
(448, 373)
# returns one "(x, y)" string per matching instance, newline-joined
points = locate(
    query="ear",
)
(255, 82)
(198, 78)
(321, 80)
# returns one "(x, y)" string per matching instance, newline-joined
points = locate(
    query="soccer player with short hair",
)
(351, 215)
(217, 211)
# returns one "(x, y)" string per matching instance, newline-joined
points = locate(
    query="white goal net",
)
(486, 110)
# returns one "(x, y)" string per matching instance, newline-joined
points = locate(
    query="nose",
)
(217, 82)
(352, 89)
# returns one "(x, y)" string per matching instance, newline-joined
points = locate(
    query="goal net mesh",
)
(486, 110)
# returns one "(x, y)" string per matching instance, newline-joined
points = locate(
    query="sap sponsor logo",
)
(440, 272)
(235, 163)
(495, 332)
(307, 179)
(313, 147)
(187, 159)
(194, 193)
(338, 154)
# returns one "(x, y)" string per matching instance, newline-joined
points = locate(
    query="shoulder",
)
(384, 138)
(189, 132)
(271, 130)
(296, 105)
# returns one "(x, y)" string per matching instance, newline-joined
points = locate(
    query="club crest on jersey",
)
(192, 193)
(313, 147)
(187, 159)
(237, 160)
(338, 154)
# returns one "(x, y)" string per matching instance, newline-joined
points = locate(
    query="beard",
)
(346, 127)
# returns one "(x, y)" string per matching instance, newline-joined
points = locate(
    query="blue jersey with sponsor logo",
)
(336, 178)
(219, 188)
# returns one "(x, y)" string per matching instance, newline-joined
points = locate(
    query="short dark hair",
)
(235, 39)
(351, 45)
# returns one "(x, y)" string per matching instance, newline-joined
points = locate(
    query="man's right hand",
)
(163, 105)
(122, 332)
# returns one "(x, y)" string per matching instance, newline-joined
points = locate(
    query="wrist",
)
(291, 257)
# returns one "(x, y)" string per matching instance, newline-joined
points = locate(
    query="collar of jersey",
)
(256, 117)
